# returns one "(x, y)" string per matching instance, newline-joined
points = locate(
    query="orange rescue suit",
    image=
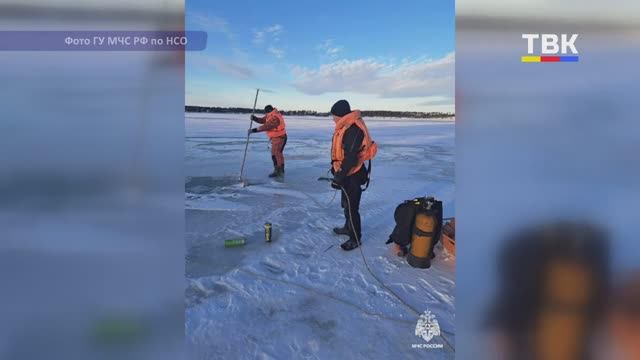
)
(367, 151)
(272, 117)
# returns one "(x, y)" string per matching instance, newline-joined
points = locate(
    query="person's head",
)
(268, 109)
(340, 109)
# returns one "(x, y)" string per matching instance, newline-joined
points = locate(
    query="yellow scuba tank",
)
(427, 228)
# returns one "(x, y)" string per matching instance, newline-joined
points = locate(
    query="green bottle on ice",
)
(234, 242)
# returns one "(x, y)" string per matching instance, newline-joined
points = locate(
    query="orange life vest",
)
(278, 131)
(367, 151)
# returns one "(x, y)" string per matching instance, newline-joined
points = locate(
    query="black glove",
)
(254, 130)
(254, 118)
(337, 182)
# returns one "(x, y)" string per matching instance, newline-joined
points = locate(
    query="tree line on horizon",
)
(381, 113)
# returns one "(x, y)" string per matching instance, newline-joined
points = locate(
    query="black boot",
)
(350, 244)
(342, 230)
(277, 172)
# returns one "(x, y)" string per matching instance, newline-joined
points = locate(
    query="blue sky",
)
(379, 55)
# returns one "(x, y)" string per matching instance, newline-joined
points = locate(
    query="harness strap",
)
(366, 184)
(424, 233)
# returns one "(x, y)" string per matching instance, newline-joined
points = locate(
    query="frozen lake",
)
(301, 296)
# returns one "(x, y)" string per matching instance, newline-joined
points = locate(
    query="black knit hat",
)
(341, 108)
(268, 109)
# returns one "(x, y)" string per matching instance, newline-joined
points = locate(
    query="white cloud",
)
(431, 77)
(231, 69)
(277, 52)
(212, 24)
(436, 100)
(258, 37)
(237, 66)
(270, 36)
(268, 33)
(329, 48)
(274, 29)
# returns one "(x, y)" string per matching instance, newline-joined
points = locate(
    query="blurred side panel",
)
(548, 179)
(91, 219)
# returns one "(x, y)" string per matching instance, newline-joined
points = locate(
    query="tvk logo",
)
(552, 48)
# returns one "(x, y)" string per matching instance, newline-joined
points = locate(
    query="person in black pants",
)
(348, 168)
(352, 186)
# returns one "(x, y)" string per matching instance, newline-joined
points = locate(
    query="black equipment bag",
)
(405, 215)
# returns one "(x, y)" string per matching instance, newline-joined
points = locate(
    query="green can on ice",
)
(234, 242)
(267, 232)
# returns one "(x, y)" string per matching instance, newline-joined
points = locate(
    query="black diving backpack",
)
(405, 215)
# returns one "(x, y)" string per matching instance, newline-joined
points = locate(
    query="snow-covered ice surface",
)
(301, 296)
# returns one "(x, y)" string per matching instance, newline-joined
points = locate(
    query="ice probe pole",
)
(246, 146)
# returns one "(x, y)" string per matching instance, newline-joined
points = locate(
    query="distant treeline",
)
(380, 113)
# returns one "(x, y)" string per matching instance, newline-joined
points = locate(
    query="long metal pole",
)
(246, 146)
